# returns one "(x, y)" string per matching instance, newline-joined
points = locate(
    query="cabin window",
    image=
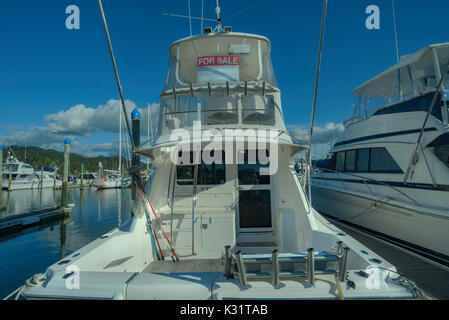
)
(376, 160)
(249, 170)
(442, 152)
(362, 160)
(381, 161)
(208, 174)
(340, 161)
(441, 148)
(258, 109)
(350, 160)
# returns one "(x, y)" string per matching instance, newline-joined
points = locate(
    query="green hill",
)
(38, 157)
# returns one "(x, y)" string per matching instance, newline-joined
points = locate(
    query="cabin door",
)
(254, 216)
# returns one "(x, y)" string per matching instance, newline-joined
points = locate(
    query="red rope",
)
(156, 216)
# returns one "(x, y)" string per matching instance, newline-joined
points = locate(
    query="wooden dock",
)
(17, 222)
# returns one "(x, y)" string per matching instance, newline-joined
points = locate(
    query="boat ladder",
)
(194, 182)
(286, 265)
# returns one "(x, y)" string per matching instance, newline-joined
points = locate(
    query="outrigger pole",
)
(413, 158)
(108, 38)
(308, 163)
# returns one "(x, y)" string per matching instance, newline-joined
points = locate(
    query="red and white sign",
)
(218, 69)
(218, 61)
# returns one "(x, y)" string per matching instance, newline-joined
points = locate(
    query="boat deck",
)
(188, 265)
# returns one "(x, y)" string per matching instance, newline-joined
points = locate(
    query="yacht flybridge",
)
(238, 226)
(388, 172)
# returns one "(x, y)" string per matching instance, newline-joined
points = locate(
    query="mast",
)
(120, 144)
(309, 158)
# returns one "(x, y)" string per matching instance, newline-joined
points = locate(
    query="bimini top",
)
(419, 72)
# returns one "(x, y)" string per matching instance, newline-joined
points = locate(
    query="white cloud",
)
(324, 136)
(81, 121)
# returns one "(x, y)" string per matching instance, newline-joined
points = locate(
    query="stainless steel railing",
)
(365, 180)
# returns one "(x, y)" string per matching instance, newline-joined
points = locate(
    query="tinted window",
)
(350, 160)
(381, 161)
(255, 209)
(362, 160)
(208, 174)
(340, 161)
(249, 172)
(442, 152)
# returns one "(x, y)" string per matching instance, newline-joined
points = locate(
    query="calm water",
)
(31, 251)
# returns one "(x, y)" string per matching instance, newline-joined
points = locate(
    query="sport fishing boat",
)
(221, 222)
(388, 172)
(88, 178)
(112, 180)
(18, 175)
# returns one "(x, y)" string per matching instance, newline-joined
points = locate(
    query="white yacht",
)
(18, 175)
(88, 178)
(236, 229)
(111, 180)
(388, 172)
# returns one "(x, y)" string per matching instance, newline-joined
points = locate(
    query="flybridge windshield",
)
(415, 76)
(219, 58)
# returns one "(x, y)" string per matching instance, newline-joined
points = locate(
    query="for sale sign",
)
(218, 69)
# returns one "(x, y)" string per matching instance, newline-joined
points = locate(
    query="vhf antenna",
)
(218, 11)
(218, 20)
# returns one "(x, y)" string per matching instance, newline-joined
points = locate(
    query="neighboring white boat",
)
(24, 177)
(222, 231)
(370, 181)
(113, 180)
(88, 178)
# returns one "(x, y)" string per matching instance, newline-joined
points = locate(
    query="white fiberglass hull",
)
(410, 227)
(105, 183)
(34, 184)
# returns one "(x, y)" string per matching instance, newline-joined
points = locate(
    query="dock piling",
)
(65, 180)
(9, 178)
(82, 176)
(42, 177)
(54, 178)
(135, 163)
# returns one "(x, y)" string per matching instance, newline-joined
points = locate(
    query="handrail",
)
(239, 87)
(170, 178)
(321, 170)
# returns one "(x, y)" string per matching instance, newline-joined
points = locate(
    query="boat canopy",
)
(419, 72)
(219, 58)
(219, 80)
(414, 75)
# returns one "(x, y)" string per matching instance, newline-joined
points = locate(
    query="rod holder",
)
(339, 247)
(275, 263)
(228, 261)
(310, 266)
(343, 264)
(241, 269)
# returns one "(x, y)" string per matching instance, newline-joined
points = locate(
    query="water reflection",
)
(32, 250)
(24, 201)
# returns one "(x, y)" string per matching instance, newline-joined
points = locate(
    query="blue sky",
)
(46, 69)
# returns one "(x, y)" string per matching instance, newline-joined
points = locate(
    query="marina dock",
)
(18, 222)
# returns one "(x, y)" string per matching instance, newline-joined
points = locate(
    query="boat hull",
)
(416, 230)
(27, 185)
